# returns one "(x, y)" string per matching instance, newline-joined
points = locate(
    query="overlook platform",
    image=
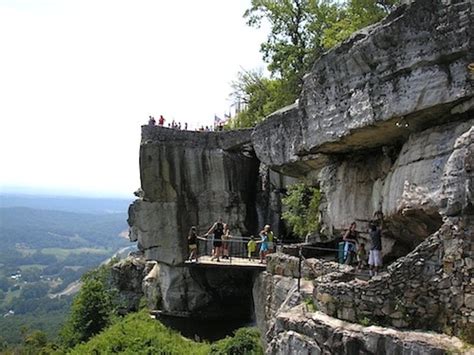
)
(233, 263)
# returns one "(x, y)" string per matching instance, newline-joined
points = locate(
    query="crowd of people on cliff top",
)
(355, 250)
(222, 241)
(177, 125)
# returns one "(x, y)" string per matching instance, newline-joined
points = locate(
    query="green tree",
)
(294, 41)
(300, 32)
(90, 313)
(35, 341)
(259, 96)
(302, 209)
(356, 14)
(34, 290)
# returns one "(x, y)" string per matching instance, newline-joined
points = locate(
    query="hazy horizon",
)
(37, 191)
(79, 78)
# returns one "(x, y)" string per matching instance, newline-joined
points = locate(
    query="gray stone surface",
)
(410, 68)
(273, 294)
(384, 123)
(206, 292)
(191, 178)
(410, 192)
(127, 276)
(301, 332)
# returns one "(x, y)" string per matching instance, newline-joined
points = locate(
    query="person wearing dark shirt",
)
(375, 254)
(350, 241)
(192, 244)
(218, 230)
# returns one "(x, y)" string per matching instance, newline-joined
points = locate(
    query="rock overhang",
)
(405, 74)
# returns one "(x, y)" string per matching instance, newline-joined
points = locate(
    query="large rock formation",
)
(362, 116)
(385, 123)
(411, 68)
(191, 179)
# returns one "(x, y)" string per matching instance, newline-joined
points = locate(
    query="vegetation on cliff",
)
(95, 326)
(300, 32)
(93, 308)
(301, 209)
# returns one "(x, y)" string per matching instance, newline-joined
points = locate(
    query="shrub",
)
(245, 341)
(137, 333)
(302, 209)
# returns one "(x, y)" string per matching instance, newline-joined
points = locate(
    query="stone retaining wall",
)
(430, 288)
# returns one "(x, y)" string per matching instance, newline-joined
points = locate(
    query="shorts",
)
(264, 247)
(217, 243)
(270, 245)
(192, 247)
(375, 258)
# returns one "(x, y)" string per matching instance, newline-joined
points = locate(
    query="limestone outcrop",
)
(385, 123)
(299, 331)
(411, 68)
(126, 278)
(191, 179)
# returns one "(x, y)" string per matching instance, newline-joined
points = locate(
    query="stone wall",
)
(430, 288)
(288, 266)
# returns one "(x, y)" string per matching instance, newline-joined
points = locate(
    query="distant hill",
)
(47, 243)
(37, 228)
(66, 203)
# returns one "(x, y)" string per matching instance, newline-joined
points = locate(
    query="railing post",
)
(299, 268)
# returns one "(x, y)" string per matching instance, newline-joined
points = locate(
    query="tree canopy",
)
(300, 32)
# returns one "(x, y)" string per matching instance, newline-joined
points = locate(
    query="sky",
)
(79, 77)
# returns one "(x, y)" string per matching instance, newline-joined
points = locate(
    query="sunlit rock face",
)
(384, 124)
(411, 68)
(191, 179)
(407, 185)
(378, 120)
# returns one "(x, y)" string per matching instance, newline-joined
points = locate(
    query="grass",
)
(62, 254)
(10, 295)
(31, 266)
(310, 305)
(366, 322)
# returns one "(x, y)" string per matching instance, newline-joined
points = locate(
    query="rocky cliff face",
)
(191, 179)
(385, 123)
(362, 118)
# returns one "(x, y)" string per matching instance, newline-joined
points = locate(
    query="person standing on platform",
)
(251, 248)
(161, 121)
(375, 253)
(271, 238)
(263, 246)
(192, 244)
(225, 242)
(218, 230)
